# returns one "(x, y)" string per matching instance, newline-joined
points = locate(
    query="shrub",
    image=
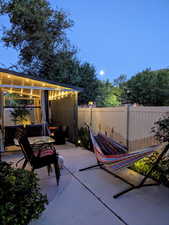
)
(144, 165)
(161, 173)
(20, 197)
(161, 129)
(84, 139)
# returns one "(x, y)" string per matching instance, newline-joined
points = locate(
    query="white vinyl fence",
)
(127, 125)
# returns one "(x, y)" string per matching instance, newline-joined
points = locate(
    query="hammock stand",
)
(121, 163)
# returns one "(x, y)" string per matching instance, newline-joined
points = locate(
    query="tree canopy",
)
(38, 32)
(148, 88)
(108, 95)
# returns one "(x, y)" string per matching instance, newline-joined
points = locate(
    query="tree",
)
(108, 95)
(149, 88)
(89, 82)
(38, 32)
(120, 81)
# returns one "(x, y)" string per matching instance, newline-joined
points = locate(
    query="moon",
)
(102, 73)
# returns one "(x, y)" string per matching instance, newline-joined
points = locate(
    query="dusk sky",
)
(116, 36)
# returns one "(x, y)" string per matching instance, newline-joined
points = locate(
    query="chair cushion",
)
(44, 152)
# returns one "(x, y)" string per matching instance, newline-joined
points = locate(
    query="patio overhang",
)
(47, 100)
(25, 85)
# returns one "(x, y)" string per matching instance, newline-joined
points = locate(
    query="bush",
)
(161, 173)
(84, 139)
(20, 197)
(161, 129)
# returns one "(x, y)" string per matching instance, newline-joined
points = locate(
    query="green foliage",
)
(120, 81)
(144, 165)
(161, 129)
(19, 115)
(89, 82)
(83, 136)
(160, 174)
(149, 88)
(108, 95)
(38, 32)
(20, 197)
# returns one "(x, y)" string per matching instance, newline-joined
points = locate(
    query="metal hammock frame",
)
(101, 163)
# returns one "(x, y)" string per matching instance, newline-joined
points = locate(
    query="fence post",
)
(128, 126)
(91, 117)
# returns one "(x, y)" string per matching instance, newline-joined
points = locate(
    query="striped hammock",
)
(110, 153)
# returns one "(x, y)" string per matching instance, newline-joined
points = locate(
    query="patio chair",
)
(39, 155)
(20, 131)
(111, 154)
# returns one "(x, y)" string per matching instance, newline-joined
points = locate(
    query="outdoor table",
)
(38, 140)
(41, 140)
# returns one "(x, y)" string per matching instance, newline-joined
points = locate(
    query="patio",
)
(35, 103)
(84, 198)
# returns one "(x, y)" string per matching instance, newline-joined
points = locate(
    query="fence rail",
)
(128, 125)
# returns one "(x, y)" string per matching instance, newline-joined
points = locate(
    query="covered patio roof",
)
(25, 85)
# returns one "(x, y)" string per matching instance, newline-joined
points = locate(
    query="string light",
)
(21, 92)
(31, 92)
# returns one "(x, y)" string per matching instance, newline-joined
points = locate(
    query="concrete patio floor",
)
(86, 198)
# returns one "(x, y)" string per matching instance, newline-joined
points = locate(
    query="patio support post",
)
(46, 105)
(75, 118)
(1, 123)
(91, 116)
(44, 108)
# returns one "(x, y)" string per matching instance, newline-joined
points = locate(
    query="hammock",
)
(110, 153)
(114, 155)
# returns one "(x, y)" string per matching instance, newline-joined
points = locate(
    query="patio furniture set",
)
(39, 151)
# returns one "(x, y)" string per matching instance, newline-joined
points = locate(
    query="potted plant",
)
(20, 116)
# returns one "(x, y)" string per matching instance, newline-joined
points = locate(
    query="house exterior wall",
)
(64, 112)
(130, 126)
